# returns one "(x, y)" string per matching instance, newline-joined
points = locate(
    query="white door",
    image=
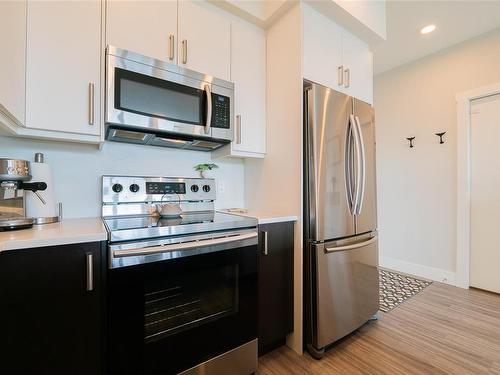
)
(358, 65)
(145, 27)
(248, 43)
(12, 63)
(485, 194)
(63, 66)
(204, 39)
(322, 45)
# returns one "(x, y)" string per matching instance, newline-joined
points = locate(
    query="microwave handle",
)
(208, 122)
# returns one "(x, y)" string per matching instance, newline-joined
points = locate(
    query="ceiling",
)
(456, 21)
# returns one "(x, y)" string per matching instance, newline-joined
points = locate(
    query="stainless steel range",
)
(182, 287)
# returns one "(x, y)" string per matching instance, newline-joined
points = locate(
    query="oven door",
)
(157, 97)
(169, 315)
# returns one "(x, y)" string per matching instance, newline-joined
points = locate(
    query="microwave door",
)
(149, 99)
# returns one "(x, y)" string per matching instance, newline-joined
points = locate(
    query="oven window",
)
(150, 96)
(190, 301)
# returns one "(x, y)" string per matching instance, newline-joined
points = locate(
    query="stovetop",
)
(145, 227)
(129, 208)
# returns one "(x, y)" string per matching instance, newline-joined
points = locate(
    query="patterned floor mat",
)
(396, 288)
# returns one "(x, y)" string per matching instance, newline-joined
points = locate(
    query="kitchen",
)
(124, 99)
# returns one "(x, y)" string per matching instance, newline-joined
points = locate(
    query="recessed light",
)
(427, 29)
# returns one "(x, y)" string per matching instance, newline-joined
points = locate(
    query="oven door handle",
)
(208, 121)
(182, 246)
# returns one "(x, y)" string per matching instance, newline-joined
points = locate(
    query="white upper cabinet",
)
(204, 39)
(335, 58)
(12, 63)
(248, 72)
(322, 50)
(358, 67)
(145, 27)
(63, 66)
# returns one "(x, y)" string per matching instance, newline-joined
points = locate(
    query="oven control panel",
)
(136, 189)
(166, 187)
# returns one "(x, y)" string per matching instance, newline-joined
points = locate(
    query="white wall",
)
(273, 184)
(364, 18)
(371, 13)
(77, 169)
(417, 187)
(260, 9)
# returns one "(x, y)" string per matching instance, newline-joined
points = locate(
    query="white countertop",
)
(67, 231)
(264, 217)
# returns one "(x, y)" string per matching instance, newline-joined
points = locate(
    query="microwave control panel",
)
(221, 111)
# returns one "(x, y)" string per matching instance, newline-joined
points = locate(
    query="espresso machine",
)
(14, 174)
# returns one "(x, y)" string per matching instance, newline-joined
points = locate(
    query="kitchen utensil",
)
(169, 209)
(42, 213)
(14, 170)
(13, 176)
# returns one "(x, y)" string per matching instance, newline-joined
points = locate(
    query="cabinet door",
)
(322, 50)
(12, 65)
(145, 27)
(358, 58)
(275, 285)
(63, 62)
(248, 44)
(50, 322)
(204, 39)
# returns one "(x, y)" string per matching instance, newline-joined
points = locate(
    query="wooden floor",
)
(442, 330)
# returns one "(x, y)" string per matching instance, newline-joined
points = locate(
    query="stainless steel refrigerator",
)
(340, 225)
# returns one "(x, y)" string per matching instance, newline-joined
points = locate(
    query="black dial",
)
(117, 188)
(206, 188)
(134, 188)
(195, 188)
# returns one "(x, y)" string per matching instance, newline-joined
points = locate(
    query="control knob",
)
(134, 188)
(206, 188)
(117, 188)
(195, 188)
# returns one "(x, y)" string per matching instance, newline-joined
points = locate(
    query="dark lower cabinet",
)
(50, 310)
(275, 284)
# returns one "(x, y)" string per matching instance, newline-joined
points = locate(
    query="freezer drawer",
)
(347, 287)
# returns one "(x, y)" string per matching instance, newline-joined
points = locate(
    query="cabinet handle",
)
(90, 272)
(171, 42)
(265, 251)
(340, 75)
(347, 78)
(184, 51)
(91, 103)
(238, 129)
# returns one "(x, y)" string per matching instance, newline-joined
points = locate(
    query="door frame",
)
(464, 100)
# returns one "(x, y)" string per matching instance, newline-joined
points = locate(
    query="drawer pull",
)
(265, 250)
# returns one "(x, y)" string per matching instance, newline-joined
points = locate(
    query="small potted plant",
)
(205, 169)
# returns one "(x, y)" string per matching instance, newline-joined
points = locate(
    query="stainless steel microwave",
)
(156, 103)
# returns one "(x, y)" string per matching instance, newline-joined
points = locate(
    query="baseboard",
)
(431, 273)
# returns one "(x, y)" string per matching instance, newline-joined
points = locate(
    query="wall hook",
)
(411, 141)
(440, 135)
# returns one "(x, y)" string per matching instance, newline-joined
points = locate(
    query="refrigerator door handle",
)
(348, 166)
(351, 246)
(362, 165)
(358, 165)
